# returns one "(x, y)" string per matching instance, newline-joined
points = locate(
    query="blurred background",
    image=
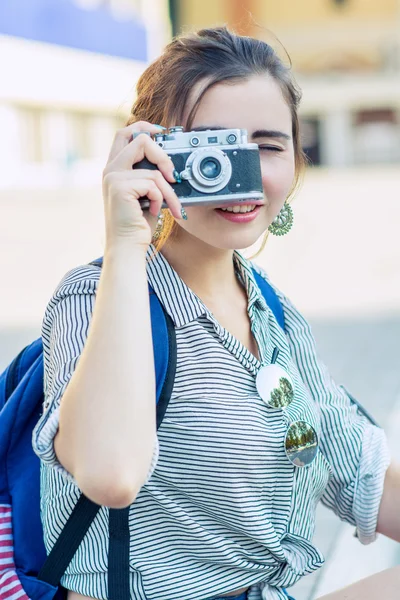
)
(68, 74)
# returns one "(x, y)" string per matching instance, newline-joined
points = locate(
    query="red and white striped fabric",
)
(10, 585)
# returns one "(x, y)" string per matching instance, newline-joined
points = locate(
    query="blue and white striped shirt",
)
(223, 507)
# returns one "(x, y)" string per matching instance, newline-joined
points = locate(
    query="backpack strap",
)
(271, 298)
(118, 555)
(68, 541)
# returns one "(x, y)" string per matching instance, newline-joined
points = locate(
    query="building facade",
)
(346, 58)
(69, 68)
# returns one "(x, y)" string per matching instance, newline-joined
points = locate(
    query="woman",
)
(219, 509)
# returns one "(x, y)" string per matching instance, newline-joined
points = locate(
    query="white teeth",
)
(240, 209)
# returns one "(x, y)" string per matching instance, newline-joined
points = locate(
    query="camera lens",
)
(210, 168)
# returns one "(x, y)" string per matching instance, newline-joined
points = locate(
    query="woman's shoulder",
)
(80, 281)
(83, 279)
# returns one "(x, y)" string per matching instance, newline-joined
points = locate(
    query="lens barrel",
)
(210, 167)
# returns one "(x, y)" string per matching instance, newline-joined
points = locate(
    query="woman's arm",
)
(107, 417)
(102, 370)
(389, 510)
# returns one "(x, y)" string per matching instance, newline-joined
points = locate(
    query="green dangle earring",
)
(282, 224)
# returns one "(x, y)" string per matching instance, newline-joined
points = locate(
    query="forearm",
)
(389, 513)
(107, 415)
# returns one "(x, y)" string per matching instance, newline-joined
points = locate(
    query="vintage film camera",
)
(216, 166)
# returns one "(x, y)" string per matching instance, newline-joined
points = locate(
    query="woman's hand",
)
(123, 186)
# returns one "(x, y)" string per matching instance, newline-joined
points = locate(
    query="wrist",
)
(125, 249)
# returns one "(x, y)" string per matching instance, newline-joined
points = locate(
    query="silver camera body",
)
(216, 166)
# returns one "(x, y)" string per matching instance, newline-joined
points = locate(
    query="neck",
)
(207, 270)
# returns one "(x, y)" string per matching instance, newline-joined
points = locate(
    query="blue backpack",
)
(26, 572)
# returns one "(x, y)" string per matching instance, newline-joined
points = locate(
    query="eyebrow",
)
(260, 133)
(270, 133)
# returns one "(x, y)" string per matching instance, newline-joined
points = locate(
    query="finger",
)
(124, 136)
(144, 188)
(167, 191)
(155, 196)
(138, 149)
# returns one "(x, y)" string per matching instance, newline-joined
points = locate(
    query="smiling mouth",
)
(240, 207)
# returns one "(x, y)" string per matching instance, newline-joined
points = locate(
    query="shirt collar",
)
(245, 272)
(180, 302)
(182, 305)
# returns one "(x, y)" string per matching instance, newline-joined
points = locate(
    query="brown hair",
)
(214, 56)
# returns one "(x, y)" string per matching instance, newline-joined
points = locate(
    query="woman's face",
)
(258, 106)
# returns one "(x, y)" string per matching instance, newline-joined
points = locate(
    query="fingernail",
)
(160, 127)
(183, 213)
(177, 176)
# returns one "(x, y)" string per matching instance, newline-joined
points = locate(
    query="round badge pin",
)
(275, 386)
(301, 443)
